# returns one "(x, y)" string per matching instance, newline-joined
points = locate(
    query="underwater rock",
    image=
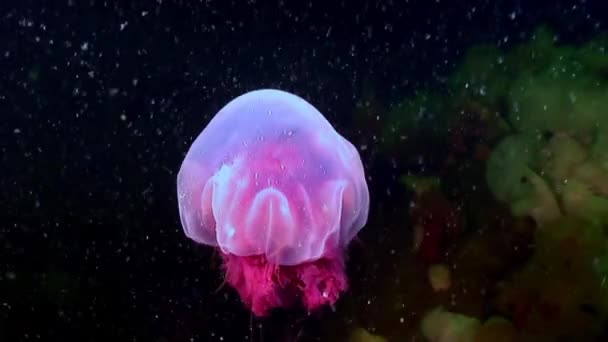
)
(439, 277)
(362, 335)
(560, 292)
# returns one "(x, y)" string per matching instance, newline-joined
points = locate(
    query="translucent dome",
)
(270, 176)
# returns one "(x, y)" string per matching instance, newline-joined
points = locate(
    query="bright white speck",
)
(284, 208)
(230, 230)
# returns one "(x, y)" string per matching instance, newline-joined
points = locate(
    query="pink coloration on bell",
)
(281, 194)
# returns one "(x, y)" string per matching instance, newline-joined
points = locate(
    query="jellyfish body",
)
(280, 193)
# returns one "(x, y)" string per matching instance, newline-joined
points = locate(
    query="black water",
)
(99, 101)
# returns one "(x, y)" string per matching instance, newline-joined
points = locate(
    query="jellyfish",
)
(280, 194)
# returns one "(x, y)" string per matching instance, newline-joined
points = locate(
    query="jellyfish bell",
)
(273, 186)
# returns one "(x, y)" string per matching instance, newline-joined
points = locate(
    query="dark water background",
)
(99, 101)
